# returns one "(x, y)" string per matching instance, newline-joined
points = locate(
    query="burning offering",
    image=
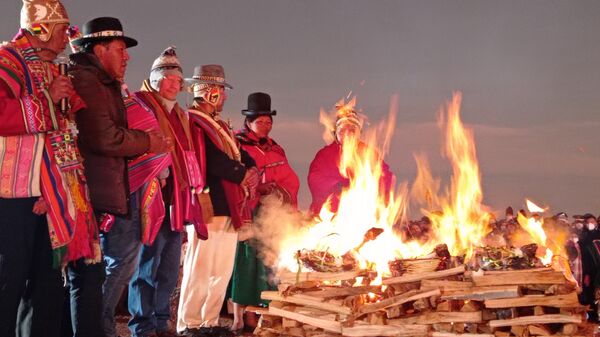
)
(359, 268)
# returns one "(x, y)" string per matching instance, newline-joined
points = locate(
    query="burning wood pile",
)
(352, 274)
(428, 297)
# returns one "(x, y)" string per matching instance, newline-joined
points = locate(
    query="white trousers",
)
(207, 268)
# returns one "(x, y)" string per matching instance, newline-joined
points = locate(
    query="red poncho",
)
(325, 179)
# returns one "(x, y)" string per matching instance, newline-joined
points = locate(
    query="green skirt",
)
(250, 277)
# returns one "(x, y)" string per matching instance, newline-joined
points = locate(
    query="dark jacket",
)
(104, 139)
(220, 166)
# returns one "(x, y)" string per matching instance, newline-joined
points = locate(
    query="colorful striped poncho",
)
(145, 112)
(38, 151)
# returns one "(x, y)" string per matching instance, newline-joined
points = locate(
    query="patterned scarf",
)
(186, 171)
(144, 171)
(219, 133)
(72, 225)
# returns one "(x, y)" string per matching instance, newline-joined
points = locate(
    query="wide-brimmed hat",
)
(209, 74)
(259, 104)
(102, 29)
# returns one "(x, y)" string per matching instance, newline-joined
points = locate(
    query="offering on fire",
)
(361, 269)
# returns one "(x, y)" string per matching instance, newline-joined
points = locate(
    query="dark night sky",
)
(529, 72)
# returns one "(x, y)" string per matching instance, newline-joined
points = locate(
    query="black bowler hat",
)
(259, 104)
(102, 29)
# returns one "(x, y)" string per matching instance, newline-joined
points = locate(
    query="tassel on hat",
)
(40, 17)
(166, 64)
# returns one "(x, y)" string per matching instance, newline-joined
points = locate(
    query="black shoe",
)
(220, 331)
(193, 332)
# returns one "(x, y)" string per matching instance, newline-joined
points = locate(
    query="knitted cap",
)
(166, 64)
(40, 17)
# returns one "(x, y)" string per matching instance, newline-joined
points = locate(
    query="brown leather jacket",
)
(104, 139)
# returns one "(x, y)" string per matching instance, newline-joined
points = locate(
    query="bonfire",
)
(355, 272)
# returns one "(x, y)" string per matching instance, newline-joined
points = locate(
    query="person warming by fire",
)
(277, 180)
(326, 179)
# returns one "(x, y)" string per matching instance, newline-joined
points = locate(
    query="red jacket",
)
(325, 179)
(272, 163)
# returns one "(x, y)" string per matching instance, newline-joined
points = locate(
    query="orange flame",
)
(367, 202)
(459, 218)
(534, 226)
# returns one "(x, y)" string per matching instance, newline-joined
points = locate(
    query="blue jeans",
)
(121, 247)
(153, 283)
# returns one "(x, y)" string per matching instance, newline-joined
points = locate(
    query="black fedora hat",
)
(102, 29)
(259, 104)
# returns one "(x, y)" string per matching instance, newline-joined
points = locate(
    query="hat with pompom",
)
(166, 64)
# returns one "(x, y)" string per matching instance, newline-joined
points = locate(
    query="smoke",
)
(275, 226)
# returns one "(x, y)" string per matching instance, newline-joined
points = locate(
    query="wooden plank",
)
(412, 295)
(519, 271)
(327, 325)
(542, 319)
(439, 317)
(424, 276)
(386, 330)
(551, 277)
(569, 329)
(291, 277)
(450, 334)
(519, 330)
(445, 285)
(558, 301)
(482, 293)
(257, 310)
(331, 292)
(305, 300)
(538, 330)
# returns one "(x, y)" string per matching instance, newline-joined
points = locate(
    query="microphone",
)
(62, 61)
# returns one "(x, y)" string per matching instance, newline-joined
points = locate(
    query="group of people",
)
(581, 237)
(99, 187)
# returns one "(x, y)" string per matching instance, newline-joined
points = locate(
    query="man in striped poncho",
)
(46, 220)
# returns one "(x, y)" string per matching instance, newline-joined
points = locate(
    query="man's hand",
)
(159, 143)
(40, 207)
(60, 88)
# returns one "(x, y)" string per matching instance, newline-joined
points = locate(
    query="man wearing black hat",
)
(97, 70)
(230, 183)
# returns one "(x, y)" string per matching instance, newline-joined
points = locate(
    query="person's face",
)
(58, 41)
(170, 86)
(345, 131)
(591, 224)
(113, 57)
(261, 126)
(55, 45)
(222, 99)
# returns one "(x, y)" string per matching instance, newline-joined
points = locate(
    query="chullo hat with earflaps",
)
(166, 64)
(39, 17)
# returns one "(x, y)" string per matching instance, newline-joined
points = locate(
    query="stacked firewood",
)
(423, 301)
